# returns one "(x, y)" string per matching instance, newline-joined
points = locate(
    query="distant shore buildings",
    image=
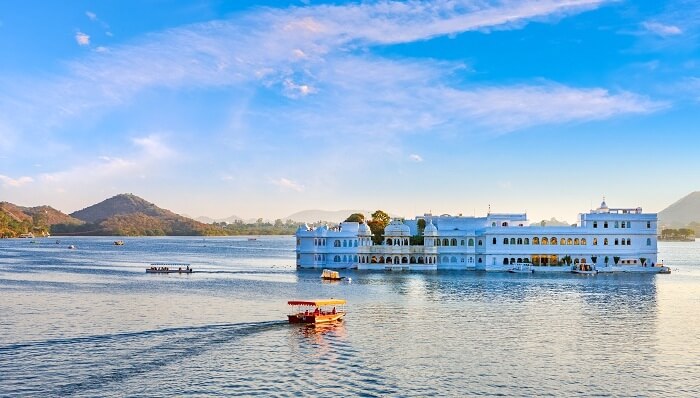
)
(604, 237)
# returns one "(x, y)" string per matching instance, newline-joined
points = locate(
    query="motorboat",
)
(584, 269)
(330, 275)
(71, 247)
(521, 268)
(317, 311)
(169, 268)
(119, 243)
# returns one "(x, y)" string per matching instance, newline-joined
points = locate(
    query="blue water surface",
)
(90, 322)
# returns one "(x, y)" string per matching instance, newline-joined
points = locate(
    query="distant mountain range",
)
(128, 214)
(552, 222)
(336, 216)
(682, 213)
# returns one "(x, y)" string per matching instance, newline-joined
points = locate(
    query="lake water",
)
(91, 322)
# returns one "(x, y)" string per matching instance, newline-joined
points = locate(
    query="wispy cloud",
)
(322, 64)
(661, 29)
(288, 184)
(91, 15)
(15, 182)
(82, 39)
(415, 158)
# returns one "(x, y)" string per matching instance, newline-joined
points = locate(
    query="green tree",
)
(616, 259)
(356, 217)
(606, 260)
(379, 221)
(421, 226)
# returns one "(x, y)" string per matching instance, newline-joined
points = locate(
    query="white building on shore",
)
(604, 238)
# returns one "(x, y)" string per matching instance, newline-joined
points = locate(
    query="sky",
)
(262, 109)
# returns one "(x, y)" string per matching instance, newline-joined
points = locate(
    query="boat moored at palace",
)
(615, 239)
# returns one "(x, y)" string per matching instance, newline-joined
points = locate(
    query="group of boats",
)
(583, 269)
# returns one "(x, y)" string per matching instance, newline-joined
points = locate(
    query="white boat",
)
(521, 268)
(584, 269)
(71, 247)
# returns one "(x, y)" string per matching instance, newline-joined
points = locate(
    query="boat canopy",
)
(317, 303)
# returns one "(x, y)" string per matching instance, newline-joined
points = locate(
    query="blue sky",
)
(267, 108)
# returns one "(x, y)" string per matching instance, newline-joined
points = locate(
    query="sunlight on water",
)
(91, 322)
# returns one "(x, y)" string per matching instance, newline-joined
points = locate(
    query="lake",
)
(91, 322)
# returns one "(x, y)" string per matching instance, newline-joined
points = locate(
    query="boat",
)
(71, 247)
(584, 269)
(119, 243)
(521, 268)
(27, 236)
(317, 311)
(169, 268)
(331, 275)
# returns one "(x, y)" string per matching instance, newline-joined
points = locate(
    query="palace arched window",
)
(345, 243)
(617, 242)
(562, 241)
(576, 242)
(629, 242)
(405, 242)
(336, 243)
(583, 241)
(336, 259)
(389, 241)
(453, 242)
(527, 241)
(520, 241)
(595, 241)
(595, 224)
(505, 224)
(570, 241)
(617, 224)
(512, 241)
(445, 242)
(605, 242)
(494, 241)
(605, 224)
(481, 243)
(505, 241)
(470, 242)
(445, 260)
(648, 241)
(545, 241)
(505, 261)
(554, 240)
(461, 242)
(535, 241)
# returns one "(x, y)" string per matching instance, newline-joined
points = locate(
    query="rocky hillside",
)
(130, 215)
(16, 220)
(683, 212)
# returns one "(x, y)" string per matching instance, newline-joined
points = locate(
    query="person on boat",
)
(317, 311)
(333, 312)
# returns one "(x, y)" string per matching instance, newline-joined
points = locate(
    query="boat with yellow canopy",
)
(317, 311)
(330, 275)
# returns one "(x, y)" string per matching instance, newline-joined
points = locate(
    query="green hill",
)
(16, 220)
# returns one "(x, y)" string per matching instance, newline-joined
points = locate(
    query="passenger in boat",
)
(317, 311)
(333, 312)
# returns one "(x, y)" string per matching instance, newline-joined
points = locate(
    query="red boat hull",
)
(311, 318)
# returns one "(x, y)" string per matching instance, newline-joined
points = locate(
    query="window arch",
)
(569, 241)
(629, 242)
(405, 242)
(576, 241)
(461, 242)
(389, 241)
(505, 261)
(562, 241)
(520, 241)
(544, 241)
(535, 241)
(453, 259)
(493, 224)
(605, 242)
(453, 242)
(470, 242)
(605, 224)
(595, 241)
(445, 260)
(583, 241)
(480, 242)
(527, 241)
(648, 241)
(505, 224)
(512, 241)
(336, 259)
(505, 241)
(554, 240)
(345, 243)
(494, 241)
(445, 242)
(617, 224)
(617, 242)
(336, 243)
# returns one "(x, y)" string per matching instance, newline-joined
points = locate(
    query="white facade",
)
(625, 237)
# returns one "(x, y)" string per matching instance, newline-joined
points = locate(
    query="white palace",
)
(604, 238)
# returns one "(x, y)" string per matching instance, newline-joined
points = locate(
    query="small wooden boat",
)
(169, 268)
(119, 243)
(331, 275)
(317, 311)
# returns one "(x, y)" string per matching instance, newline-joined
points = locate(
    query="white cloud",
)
(661, 29)
(357, 94)
(15, 182)
(415, 158)
(82, 39)
(153, 146)
(91, 15)
(287, 184)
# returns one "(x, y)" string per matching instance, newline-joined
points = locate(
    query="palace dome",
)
(364, 230)
(430, 229)
(397, 228)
